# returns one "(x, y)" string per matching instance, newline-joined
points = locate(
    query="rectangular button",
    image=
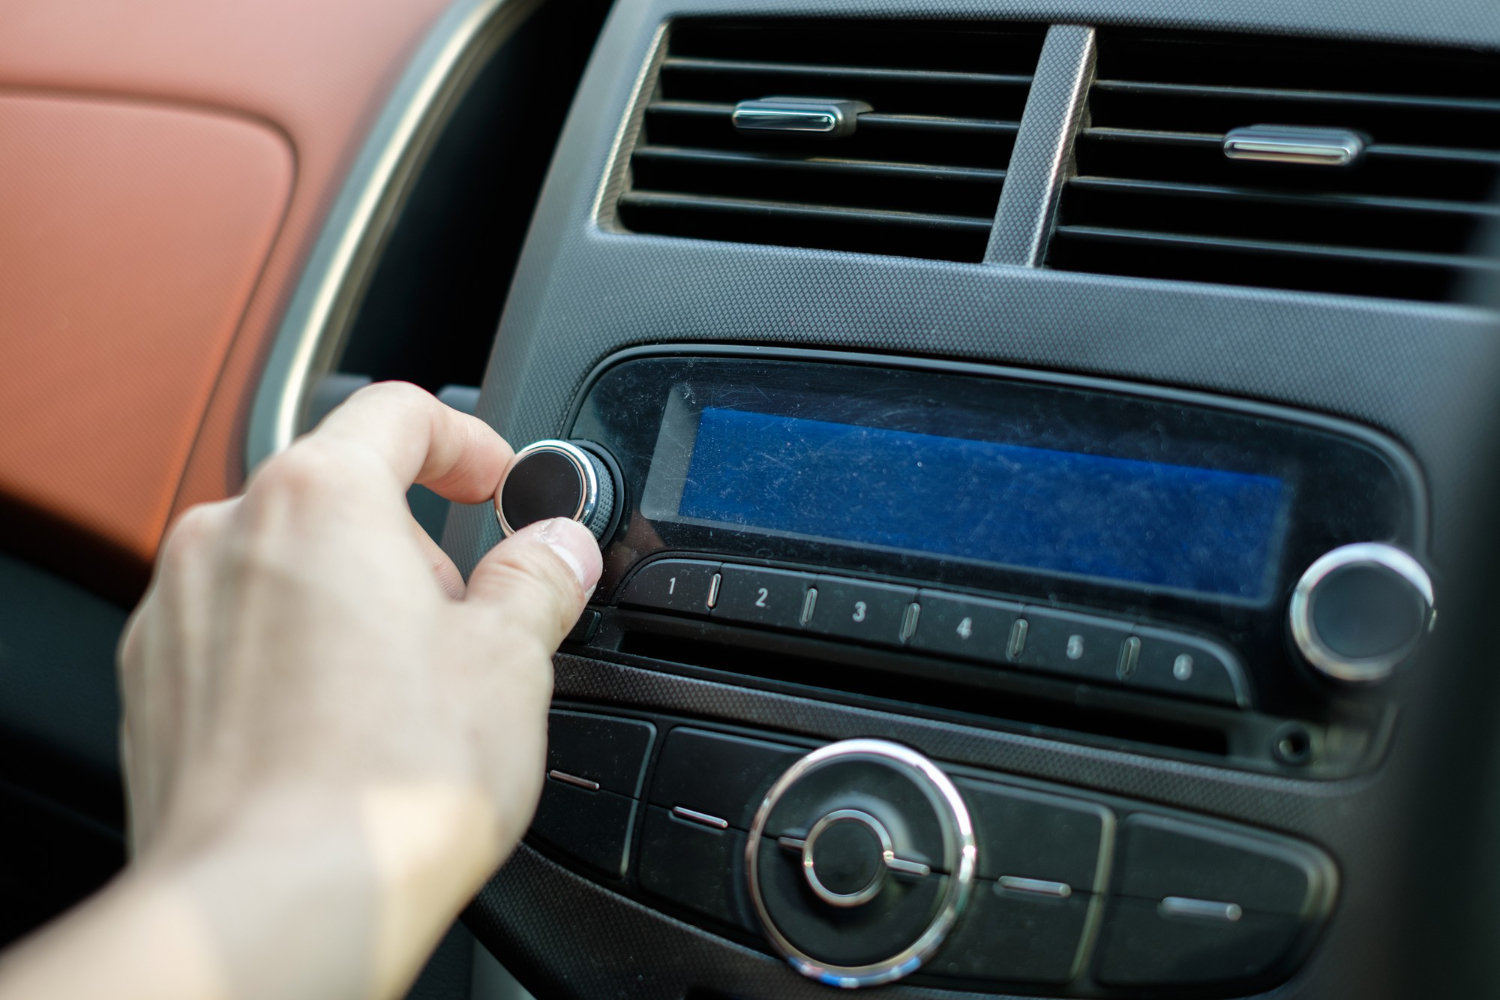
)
(599, 748)
(1009, 937)
(698, 867)
(1190, 667)
(1076, 645)
(1033, 835)
(762, 596)
(972, 627)
(717, 774)
(1144, 946)
(683, 585)
(1162, 857)
(853, 609)
(589, 826)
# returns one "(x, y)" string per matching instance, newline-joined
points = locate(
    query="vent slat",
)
(1190, 91)
(819, 213)
(742, 66)
(1148, 238)
(832, 165)
(1334, 200)
(1154, 194)
(918, 175)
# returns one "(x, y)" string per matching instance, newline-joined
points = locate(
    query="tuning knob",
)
(550, 479)
(860, 859)
(1360, 610)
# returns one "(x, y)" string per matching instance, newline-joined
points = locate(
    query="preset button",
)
(1076, 645)
(672, 585)
(1173, 663)
(971, 627)
(873, 612)
(762, 596)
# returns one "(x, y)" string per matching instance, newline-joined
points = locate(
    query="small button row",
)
(1084, 647)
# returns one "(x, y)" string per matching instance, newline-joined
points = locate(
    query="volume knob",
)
(550, 479)
(1360, 610)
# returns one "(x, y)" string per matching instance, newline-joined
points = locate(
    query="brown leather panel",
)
(316, 71)
(131, 237)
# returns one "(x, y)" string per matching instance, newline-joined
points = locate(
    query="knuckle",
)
(189, 537)
(402, 394)
(304, 469)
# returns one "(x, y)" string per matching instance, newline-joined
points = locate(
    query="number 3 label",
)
(859, 611)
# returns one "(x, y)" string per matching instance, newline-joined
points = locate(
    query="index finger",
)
(421, 440)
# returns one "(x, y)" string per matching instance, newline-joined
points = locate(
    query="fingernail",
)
(575, 546)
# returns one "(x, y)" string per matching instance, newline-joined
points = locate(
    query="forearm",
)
(302, 899)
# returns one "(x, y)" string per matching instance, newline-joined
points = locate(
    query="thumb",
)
(539, 578)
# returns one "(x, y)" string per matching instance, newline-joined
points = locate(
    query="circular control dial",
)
(1360, 610)
(550, 479)
(860, 860)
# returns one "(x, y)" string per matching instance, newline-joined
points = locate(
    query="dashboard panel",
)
(1221, 257)
(643, 247)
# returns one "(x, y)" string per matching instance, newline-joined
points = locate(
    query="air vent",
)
(1156, 194)
(927, 115)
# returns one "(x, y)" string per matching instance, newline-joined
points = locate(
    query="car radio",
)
(1240, 573)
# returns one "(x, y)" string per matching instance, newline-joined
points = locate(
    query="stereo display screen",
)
(1202, 530)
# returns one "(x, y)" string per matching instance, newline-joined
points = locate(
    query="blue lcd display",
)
(1171, 526)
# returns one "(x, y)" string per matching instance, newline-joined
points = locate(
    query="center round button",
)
(844, 857)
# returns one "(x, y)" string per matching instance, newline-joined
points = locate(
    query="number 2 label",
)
(761, 595)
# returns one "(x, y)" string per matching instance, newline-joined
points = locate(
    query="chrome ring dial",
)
(959, 860)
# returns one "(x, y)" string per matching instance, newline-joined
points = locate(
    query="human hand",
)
(327, 737)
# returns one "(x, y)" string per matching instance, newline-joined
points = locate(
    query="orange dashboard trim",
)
(230, 127)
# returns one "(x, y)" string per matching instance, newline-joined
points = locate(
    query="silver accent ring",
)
(588, 479)
(1299, 611)
(810, 872)
(944, 796)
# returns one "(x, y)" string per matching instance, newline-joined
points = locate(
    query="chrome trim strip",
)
(903, 867)
(944, 796)
(713, 589)
(701, 819)
(1200, 909)
(1035, 886)
(340, 263)
(1299, 609)
(574, 780)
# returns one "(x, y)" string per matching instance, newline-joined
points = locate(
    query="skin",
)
(330, 741)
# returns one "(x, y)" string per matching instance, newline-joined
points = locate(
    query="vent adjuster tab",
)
(1324, 147)
(831, 119)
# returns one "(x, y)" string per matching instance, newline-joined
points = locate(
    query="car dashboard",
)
(1030, 445)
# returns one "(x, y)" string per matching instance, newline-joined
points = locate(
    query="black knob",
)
(1360, 610)
(550, 479)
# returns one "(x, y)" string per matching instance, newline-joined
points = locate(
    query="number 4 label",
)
(965, 628)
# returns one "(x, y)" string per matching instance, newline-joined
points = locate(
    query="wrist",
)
(329, 895)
